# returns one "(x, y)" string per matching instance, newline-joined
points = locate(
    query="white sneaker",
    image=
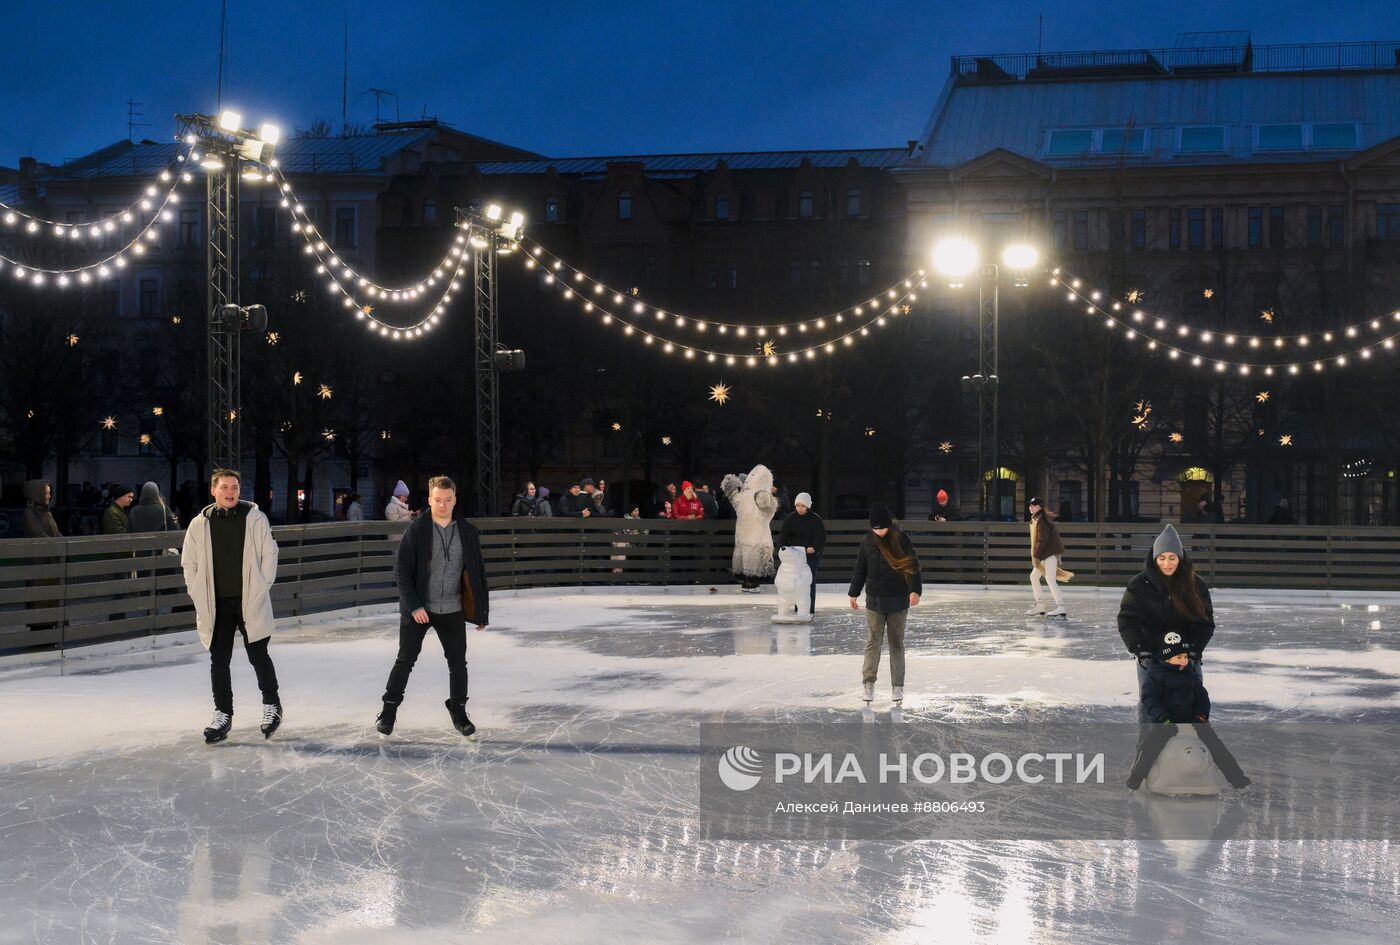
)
(1059, 611)
(897, 694)
(1036, 611)
(868, 693)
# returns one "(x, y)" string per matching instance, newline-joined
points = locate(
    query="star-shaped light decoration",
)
(367, 309)
(906, 308)
(616, 426)
(1267, 315)
(157, 411)
(945, 447)
(1261, 431)
(1135, 295)
(273, 337)
(29, 414)
(1262, 397)
(324, 392)
(665, 441)
(175, 319)
(286, 426)
(719, 393)
(109, 423)
(1286, 440)
(635, 292)
(1209, 293)
(299, 295)
(385, 435)
(72, 341)
(869, 431)
(328, 435)
(768, 349)
(296, 378)
(145, 439)
(1140, 421)
(232, 416)
(1176, 438)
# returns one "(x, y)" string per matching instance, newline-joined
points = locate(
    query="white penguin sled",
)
(794, 586)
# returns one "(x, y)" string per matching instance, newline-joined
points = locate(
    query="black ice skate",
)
(272, 718)
(385, 723)
(218, 729)
(460, 720)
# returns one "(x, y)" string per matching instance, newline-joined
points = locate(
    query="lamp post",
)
(230, 153)
(956, 258)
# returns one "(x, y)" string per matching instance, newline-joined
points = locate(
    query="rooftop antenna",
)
(131, 115)
(379, 94)
(1040, 37)
(223, 33)
(345, 74)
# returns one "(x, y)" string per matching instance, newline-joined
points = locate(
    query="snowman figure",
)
(794, 586)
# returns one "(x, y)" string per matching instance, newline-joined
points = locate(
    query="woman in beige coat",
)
(230, 563)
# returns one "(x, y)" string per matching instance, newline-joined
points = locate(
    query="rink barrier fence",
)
(65, 592)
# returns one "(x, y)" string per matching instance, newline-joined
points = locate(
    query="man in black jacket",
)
(804, 529)
(708, 500)
(575, 504)
(442, 584)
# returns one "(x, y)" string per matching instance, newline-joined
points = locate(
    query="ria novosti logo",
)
(740, 768)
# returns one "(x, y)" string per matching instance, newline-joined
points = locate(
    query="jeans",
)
(452, 634)
(228, 623)
(1151, 747)
(881, 625)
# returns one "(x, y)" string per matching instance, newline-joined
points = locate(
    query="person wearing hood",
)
(397, 510)
(688, 507)
(887, 570)
(114, 521)
(230, 563)
(151, 514)
(754, 506)
(1166, 597)
(804, 528)
(38, 520)
(354, 511)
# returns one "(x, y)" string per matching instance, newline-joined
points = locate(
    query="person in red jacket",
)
(688, 506)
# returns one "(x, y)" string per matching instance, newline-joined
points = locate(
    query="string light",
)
(171, 175)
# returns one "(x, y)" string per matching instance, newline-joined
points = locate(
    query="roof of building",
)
(1016, 102)
(362, 154)
(691, 163)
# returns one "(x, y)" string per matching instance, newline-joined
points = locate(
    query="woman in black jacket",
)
(1168, 598)
(887, 569)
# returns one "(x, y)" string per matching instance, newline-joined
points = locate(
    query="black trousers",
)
(228, 623)
(1157, 740)
(452, 634)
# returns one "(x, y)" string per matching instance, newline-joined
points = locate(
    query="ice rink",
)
(574, 817)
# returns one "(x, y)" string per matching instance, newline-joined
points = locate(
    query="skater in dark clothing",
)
(1167, 596)
(887, 569)
(1174, 695)
(804, 529)
(442, 585)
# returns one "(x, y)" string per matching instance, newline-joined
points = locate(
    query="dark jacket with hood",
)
(413, 569)
(1174, 695)
(886, 590)
(38, 520)
(1147, 614)
(804, 531)
(151, 514)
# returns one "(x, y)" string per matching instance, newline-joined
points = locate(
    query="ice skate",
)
(272, 719)
(897, 694)
(218, 728)
(1038, 610)
(384, 724)
(460, 720)
(868, 692)
(1059, 611)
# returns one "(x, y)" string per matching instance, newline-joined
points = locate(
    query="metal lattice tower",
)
(987, 338)
(225, 400)
(486, 322)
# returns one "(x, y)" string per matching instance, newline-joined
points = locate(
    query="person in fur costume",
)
(754, 506)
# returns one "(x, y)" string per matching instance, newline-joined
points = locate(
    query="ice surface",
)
(573, 819)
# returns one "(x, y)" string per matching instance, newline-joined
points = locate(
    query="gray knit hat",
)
(1169, 540)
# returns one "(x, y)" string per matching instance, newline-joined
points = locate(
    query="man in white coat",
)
(230, 563)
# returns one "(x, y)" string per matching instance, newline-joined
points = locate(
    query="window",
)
(1070, 142)
(804, 205)
(1174, 230)
(862, 272)
(551, 209)
(1277, 228)
(1061, 236)
(1123, 141)
(795, 274)
(624, 205)
(843, 273)
(731, 276)
(1081, 229)
(429, 212)
(721, 206)
(1336, 226)
(1314, 226)
(815, 269)
(1217, 227)
(1334, 135)
(711, 276)
(1137, 239)
(1001, 228)
(149, 291)
(1195, 140)
(345, 227)
(189, 228)
(1256, 226)
(1196, 228)
(1388, 221)
(1280, 137)
(852, 203)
